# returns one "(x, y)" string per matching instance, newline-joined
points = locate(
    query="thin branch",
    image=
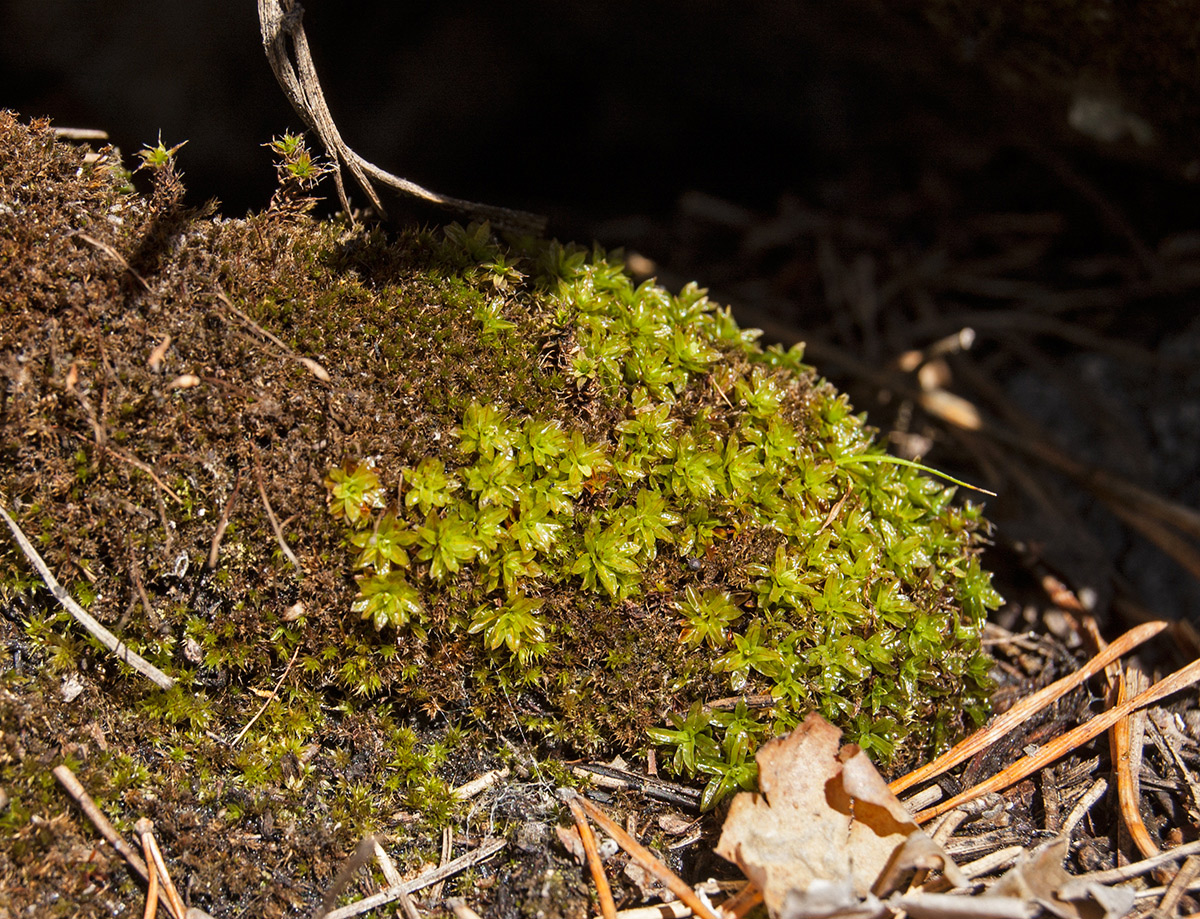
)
(486, 850)
(1028, 707)
(279, 21)
(82, 616)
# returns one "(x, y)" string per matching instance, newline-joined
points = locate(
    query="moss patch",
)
(564, 508)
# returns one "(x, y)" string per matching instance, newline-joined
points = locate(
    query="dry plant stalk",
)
(280, 24)
(1061, 746)
(1028, 707)
(82, 616)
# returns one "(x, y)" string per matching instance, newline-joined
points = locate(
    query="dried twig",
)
(280, 24)
(642, 855)
(1083, 805)
(1027, 707)
(484, 851)
(1180, 884)
(392, 876)
(1060, 746)
(1145, 866)
(82, 616)
(603, 891)
(435, 892)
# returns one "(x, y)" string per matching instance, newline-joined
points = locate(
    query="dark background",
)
(691, 132)
(613, 108)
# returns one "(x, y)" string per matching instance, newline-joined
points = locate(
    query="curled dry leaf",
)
(826, 836)
(1039, 877)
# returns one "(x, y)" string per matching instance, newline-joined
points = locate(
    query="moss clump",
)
(564, 503)
(694, 516)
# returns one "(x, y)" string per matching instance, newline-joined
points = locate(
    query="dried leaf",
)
(1040, 877)
(826, 836)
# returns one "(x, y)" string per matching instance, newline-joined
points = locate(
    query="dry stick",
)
(99, 632)
(392, 876)
(1083, 805)
(1027, 707)
(223, 524)
(280, 20)
(1060, 746)
(269, 700)
(283, 546)
(644, 856)
(603, 892)
(435, 893)
(71, 785)
(1188, 872)
(1128, 872)
(1126, 741)
(485, 850)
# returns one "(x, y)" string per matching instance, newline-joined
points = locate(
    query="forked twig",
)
(1060, 746)
(603, 891)
(1029, 706)
(280, 24)
(82, 616)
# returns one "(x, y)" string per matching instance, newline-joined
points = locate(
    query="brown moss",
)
(120, 469)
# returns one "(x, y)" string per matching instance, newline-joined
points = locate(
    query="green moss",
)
(532, 501)
(689, 504)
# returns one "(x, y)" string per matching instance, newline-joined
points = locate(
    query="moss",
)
(692, 516)
(569, 508)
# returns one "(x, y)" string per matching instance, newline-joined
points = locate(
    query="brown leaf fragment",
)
(826, 836)
(1039, 877)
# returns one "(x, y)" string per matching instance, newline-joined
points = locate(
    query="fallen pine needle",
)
(1126, 741)
(603, 891)
(485, 850)
(82, 616)
(1063, 745)
(160, 878)
(642, 855)
(1027, 707)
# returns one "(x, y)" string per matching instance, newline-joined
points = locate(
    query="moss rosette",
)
(691, 516)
